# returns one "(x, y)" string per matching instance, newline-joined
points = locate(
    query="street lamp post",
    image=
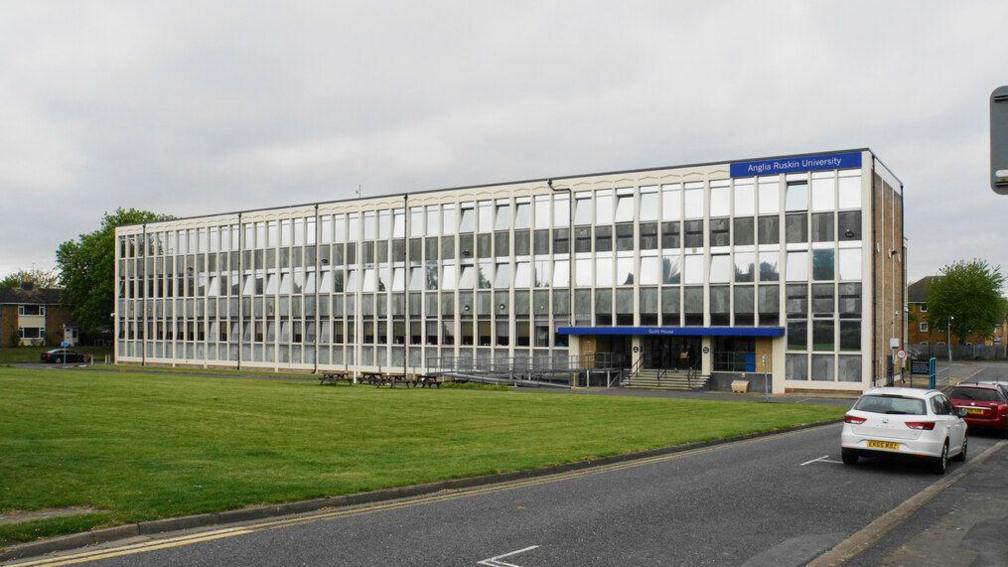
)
(949, 337)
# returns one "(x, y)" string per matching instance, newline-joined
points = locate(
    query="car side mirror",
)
(961, 412)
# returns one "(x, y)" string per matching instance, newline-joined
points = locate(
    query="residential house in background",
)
(35, 316)
(921, 331)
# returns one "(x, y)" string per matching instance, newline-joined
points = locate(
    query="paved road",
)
(748, 503)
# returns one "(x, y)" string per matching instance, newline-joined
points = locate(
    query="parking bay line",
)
(822, 459)
(496, 561)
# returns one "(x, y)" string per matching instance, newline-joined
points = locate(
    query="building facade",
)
(788, 268)
(34, 317)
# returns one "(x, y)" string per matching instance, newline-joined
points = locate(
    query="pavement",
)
(720, 396)
(965, 525)
(779, 500)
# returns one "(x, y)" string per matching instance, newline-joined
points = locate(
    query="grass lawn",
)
(140, 446)
(31, 354)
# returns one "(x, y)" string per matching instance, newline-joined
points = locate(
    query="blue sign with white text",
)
(849, 160)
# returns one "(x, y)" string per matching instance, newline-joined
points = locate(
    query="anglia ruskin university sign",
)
(849, 160)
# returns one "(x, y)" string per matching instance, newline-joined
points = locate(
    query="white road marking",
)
(822, 459)
(495, 561)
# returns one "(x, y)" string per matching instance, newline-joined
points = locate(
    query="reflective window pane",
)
(769, 271)
(822, 194)
(850, 368)
(822, 334)
(671, 268)
(720, 269)
(850, 264)
(671, 202)
(796, 367)
(693, 203)
(648, 204)
(850, 192)
(693, 269)
(823, 264)
(624, 205)
(797, 266)
(797, 196)
(745, 198)
(745, 266)
(720, 200)
(822, 367)
(604, 207)
(769, 196)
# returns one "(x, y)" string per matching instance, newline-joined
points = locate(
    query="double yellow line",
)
(260, 525)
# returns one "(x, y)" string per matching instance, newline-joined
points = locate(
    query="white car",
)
(904, 421)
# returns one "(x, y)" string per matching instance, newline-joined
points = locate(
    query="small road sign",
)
(901, 354)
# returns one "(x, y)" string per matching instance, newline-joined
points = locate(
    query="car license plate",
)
(974, 411)
(883, 445)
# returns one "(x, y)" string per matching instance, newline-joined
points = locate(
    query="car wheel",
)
(848, 456)
(961, 457)
(941, 463)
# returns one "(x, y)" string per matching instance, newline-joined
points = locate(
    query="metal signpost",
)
(999, 140)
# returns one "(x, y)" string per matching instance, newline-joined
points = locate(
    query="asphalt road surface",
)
(779, 500)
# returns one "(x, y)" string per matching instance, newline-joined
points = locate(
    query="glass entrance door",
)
(678, 353)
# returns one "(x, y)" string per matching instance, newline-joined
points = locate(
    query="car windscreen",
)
(891, 404)
(975, 394)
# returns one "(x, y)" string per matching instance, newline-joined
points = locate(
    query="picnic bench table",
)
(334, 376)
(428, 381)
(371, 377)
(394, 378)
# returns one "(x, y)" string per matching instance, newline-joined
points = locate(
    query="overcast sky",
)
(190, 109)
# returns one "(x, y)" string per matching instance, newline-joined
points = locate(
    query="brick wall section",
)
(939, 334)
(8, 324)
(56, 317)
(888, 274)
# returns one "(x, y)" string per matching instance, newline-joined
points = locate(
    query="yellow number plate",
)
(974, 410)
(883, 445)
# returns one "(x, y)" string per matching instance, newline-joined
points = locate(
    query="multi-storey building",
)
(786, 269)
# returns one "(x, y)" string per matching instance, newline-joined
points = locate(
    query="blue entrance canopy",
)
(677, 331)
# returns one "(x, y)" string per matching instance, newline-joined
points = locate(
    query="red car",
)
(986, 405)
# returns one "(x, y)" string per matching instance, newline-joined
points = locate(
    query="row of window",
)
(823, 367)
(825, 299)
(820, 192)
(818, 264)
(498, 246)
(382, 356)
(31, 310)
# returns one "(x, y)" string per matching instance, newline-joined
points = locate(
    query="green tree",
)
(969, 295)
(34, 276)
(87, 268)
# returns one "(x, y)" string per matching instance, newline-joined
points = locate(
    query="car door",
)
(957, 426)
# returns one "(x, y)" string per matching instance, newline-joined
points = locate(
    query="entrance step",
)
(649, 379)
